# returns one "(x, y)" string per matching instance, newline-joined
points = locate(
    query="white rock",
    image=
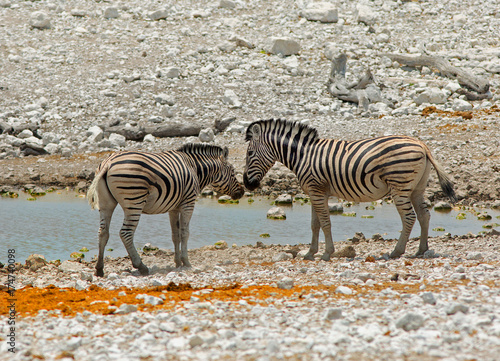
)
(81, 285)
(291, 62)
(282, 256)
(152, 300)
(335, 207)
(34, 142)
(410, 321)
(433, 96)
(52, 148)
(125, 309)
(460, 19)
(40, 20)
(195, 341)
(332, 50)
(452, 86)
(344, 290)
(111, 13)
(333, 314)
(149, 138)
(284, 199)
(118, 139)
(227, 4)
(276, 213)
(240, 41)
(206, 135)
(456, 307)
(461, 105)
(284, 46)
(49, 137)
(231, 99)
(321, 11)
(365, 14)
(164, 99)
(26, 133)
(95, 134)
(171, 73)
(177, 342)
(429, 298)
(474, 256)
(159, 14)
(236, 128)
(78, 12)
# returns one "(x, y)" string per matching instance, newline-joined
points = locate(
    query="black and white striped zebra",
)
(154, 183)
(360, 171)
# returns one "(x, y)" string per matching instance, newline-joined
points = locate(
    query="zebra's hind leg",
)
(423, 216)
(176, 235)
(105, 215)
(315, 227)
(405, 209)
(127, 231)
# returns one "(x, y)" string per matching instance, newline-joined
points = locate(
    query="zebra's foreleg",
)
(319, 202)
(186, 213)
(405, 210)
(176, 236)
(315, 227)
(105, 219)
(127, 236)
(423, 216)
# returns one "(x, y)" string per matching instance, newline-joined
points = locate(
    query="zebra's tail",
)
(92, 193)
(444, 181)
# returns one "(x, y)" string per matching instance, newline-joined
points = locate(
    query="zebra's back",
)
(368, 169)
(150, 183)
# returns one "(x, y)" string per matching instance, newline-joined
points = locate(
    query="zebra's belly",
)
(364, 195)
(158, 205)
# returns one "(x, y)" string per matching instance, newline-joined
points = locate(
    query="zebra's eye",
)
(251, 153)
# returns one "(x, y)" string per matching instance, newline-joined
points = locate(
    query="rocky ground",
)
(260, 303)
(83, 78)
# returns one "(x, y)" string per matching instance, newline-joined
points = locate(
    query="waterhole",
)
(62, 222)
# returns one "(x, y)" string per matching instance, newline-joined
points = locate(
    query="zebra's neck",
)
(290, 150)
(205, 168)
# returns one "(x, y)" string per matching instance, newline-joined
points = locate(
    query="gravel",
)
(286, 309)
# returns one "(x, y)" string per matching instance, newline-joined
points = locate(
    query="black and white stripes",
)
(360, 171)
(154, 183)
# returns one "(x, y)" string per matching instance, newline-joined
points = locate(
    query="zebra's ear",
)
(225, 152)
(255, 131)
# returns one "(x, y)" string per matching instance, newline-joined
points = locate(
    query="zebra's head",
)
(225, 180)
(259, 159)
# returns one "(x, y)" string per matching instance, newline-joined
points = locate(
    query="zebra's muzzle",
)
(250, 184)
(239, 193)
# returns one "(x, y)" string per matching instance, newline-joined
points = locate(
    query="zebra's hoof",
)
(420, 253)
(143, 270)
(309, 257)
(325, 257)
(395, 255)
(99, 272)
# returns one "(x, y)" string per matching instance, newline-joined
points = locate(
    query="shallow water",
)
(61, 223)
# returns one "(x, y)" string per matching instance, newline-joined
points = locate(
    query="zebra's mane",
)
(270, 124)
(200, 148)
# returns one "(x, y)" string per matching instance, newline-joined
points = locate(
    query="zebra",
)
(360, 171)
(154, 183)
